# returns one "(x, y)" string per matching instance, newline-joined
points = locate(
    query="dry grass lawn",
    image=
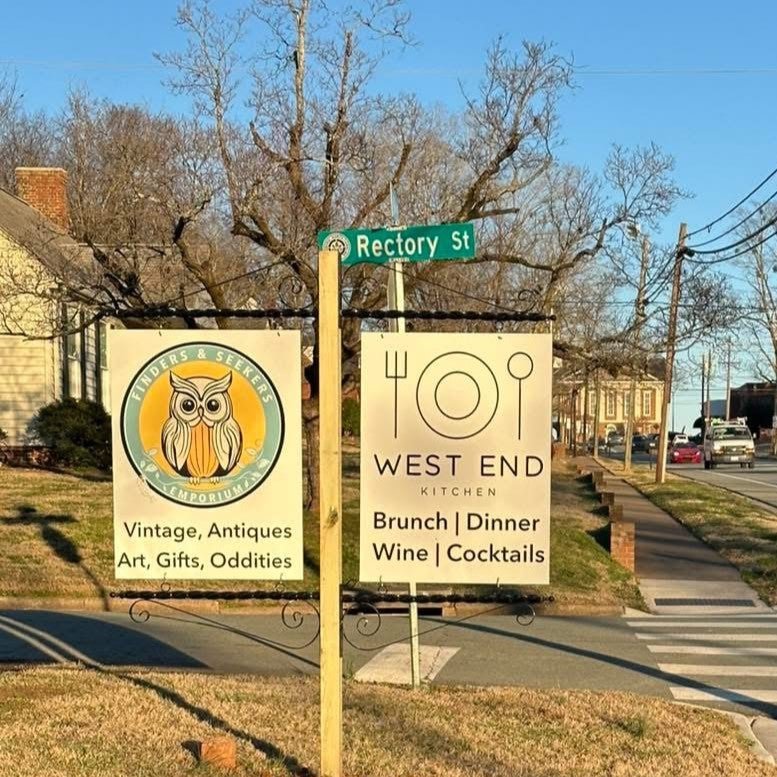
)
(738, 529)
(56, 539)
(77, 723)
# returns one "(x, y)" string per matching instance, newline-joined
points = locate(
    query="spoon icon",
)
(520, 365)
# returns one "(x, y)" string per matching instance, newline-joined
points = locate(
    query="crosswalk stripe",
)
(719, 670)
(712, 637)
(707, 650)
(703, 637)
(702, 625)
(392, 664)
(682, 693)
(684, 616)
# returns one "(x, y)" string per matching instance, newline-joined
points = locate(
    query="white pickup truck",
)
(729, 442)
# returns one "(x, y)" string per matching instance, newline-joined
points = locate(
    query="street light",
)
(632, 231)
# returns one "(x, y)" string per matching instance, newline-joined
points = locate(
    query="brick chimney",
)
(45, 188)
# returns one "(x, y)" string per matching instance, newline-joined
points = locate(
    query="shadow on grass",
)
(70, 636)
(289, 762)
(61, 545)
(89, 475)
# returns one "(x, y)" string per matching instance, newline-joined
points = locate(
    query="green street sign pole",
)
(420, 243)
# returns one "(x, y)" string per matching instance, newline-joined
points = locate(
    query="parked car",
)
(679, 439)
(614, 440)
(685, 453)
(651, 443)
(638, 443)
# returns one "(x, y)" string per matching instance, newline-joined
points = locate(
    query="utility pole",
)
(703, 392)
(330, 356)
(708, 405)
(639, 312)
(671, 346)
(396, 301)
(728, 381)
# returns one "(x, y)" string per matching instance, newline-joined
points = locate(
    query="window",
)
(103, 338)
(611, 403)
(627, 403)
(731, 433)
(70, 321)
(592, 403)
(647, 404)
(73, 345)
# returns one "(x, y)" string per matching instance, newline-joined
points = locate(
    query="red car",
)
(685, 453)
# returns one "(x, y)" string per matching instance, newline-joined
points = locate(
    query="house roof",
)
(53, 247)
(72, 262)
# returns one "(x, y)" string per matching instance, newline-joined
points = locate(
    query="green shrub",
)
(77, 431)
(351, 418)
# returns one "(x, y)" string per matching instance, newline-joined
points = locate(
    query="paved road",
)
(759, 483)
(640, 654)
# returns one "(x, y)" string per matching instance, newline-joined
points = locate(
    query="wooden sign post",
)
(330, 437)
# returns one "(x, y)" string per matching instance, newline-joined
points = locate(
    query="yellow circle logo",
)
(202, 424)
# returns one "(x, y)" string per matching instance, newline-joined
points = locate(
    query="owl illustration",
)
(201, 439)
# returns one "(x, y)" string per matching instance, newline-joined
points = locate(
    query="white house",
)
(37, 367)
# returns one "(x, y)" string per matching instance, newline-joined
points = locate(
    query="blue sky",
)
(698, 78)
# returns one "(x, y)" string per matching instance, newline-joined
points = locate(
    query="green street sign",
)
(409, 244)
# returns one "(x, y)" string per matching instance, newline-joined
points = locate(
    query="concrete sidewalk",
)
(678, 574)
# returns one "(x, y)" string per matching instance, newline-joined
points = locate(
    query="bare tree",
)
(26, 139)
(287, 139)
(758, 317)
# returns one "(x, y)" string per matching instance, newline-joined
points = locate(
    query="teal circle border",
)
(158, 481)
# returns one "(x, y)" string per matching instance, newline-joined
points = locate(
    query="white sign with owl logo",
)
(207, 454)
(455, 458)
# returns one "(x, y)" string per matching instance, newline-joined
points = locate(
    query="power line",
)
(738, 224)
(741, 241)
(676, 71)
(248, 274)
(76, 64)
(744, 251)
(464, 294)
(734, 207)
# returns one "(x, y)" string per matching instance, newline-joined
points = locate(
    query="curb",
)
(121, 606)
(760, 732)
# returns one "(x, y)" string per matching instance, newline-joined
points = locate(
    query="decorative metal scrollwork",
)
(293, 292)
(361, 620)
(527, 299)
(526, 615)
(367, 624)
(358, 289)
(293, 617)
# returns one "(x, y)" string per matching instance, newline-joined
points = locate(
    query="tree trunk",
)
(774, 413)
(310, 430)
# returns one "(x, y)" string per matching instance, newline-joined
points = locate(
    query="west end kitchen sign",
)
(207, 455)
(411, 244)
(455, 458)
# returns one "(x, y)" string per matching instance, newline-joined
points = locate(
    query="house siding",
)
(25, 383)
(90, 364)
(29, 374)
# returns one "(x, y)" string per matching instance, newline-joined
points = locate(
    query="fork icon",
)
(397, 373)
